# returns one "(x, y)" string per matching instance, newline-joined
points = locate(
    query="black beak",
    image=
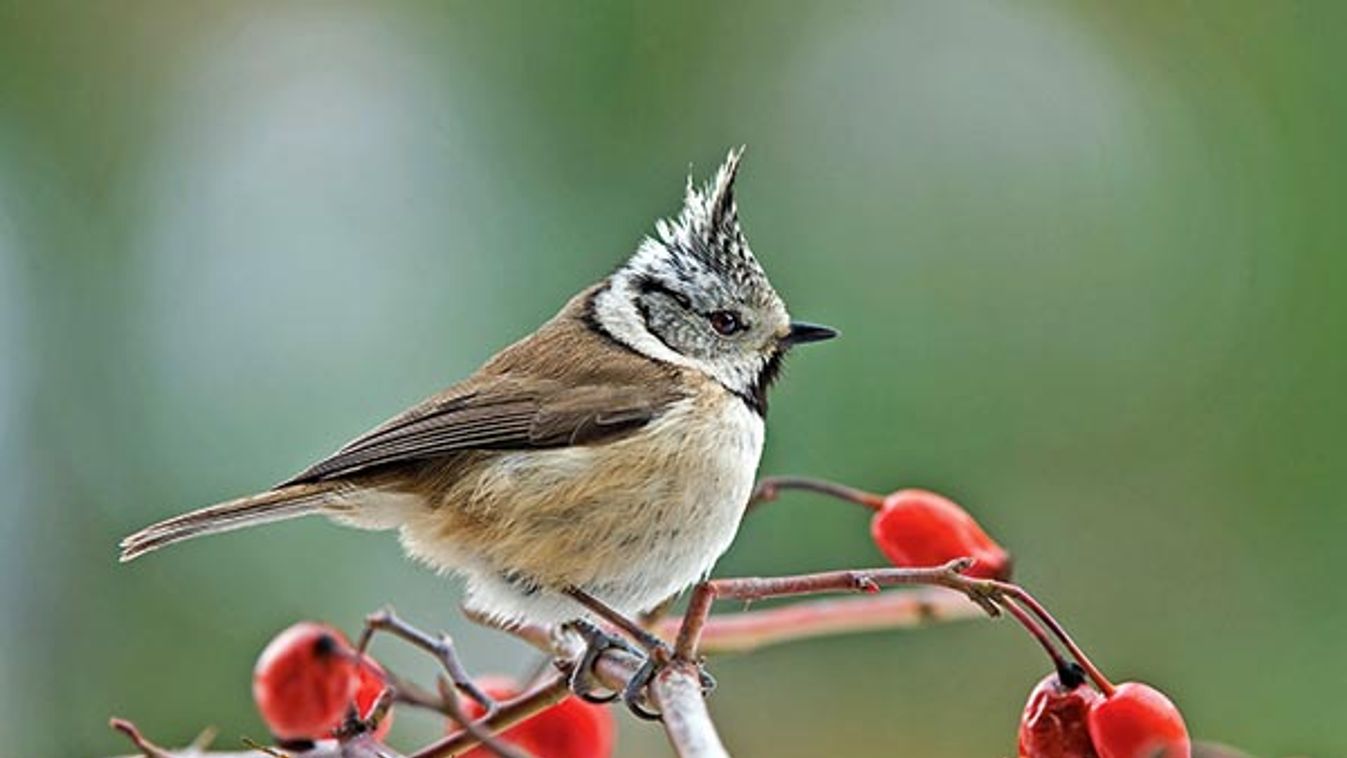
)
(801, 332)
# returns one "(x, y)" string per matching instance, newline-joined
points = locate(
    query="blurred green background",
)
(1088, 259)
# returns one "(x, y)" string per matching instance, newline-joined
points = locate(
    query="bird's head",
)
(694, 295)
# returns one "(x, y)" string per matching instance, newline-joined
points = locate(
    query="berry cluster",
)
(1064, 717)
(310, 684)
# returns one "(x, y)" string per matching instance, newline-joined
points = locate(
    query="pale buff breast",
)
(632, 522)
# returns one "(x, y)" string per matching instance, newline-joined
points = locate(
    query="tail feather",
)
(273, 505)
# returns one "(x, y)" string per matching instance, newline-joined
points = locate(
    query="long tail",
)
(273, 505)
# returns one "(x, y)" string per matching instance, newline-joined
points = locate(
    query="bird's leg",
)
(650, 643)
(442, 647)
(658, 652)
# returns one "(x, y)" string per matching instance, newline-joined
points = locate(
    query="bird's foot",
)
(657, 655)
(654, 653)
(582, 682)
(635, 695)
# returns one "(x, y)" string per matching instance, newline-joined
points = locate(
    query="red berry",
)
(916, 528)
(1137, 721)
(304, 681)
(1053, 724)
(371, 684)
(569, 729)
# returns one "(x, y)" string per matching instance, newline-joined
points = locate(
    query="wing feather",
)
(503, 415)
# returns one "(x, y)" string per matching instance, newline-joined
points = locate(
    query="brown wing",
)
(503, 415)
(565, 384)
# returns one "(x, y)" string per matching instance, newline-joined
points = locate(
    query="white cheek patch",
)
(615, 310)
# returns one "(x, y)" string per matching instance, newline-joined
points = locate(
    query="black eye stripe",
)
(724, 322)
(650, 284)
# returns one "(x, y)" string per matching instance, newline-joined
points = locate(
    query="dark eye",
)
(725, 322)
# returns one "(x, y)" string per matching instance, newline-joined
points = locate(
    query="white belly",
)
(659, 508)
(687, 540)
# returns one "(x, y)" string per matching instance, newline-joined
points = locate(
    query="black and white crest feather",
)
(706, 230)
(704, 246)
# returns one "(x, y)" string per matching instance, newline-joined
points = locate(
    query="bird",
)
(601, 463)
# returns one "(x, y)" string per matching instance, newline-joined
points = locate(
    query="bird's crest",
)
(707, 228)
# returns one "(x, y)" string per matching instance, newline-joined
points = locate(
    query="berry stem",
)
(1036, 631)
(1019, 594)
(769, 487)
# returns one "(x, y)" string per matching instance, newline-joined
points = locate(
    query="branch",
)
(147, 748)
(747, 631)
(509, 713)
(442, 649)
(686, 720)
(613, 668)
(756, 588)
(362, 746)
(677, 690)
